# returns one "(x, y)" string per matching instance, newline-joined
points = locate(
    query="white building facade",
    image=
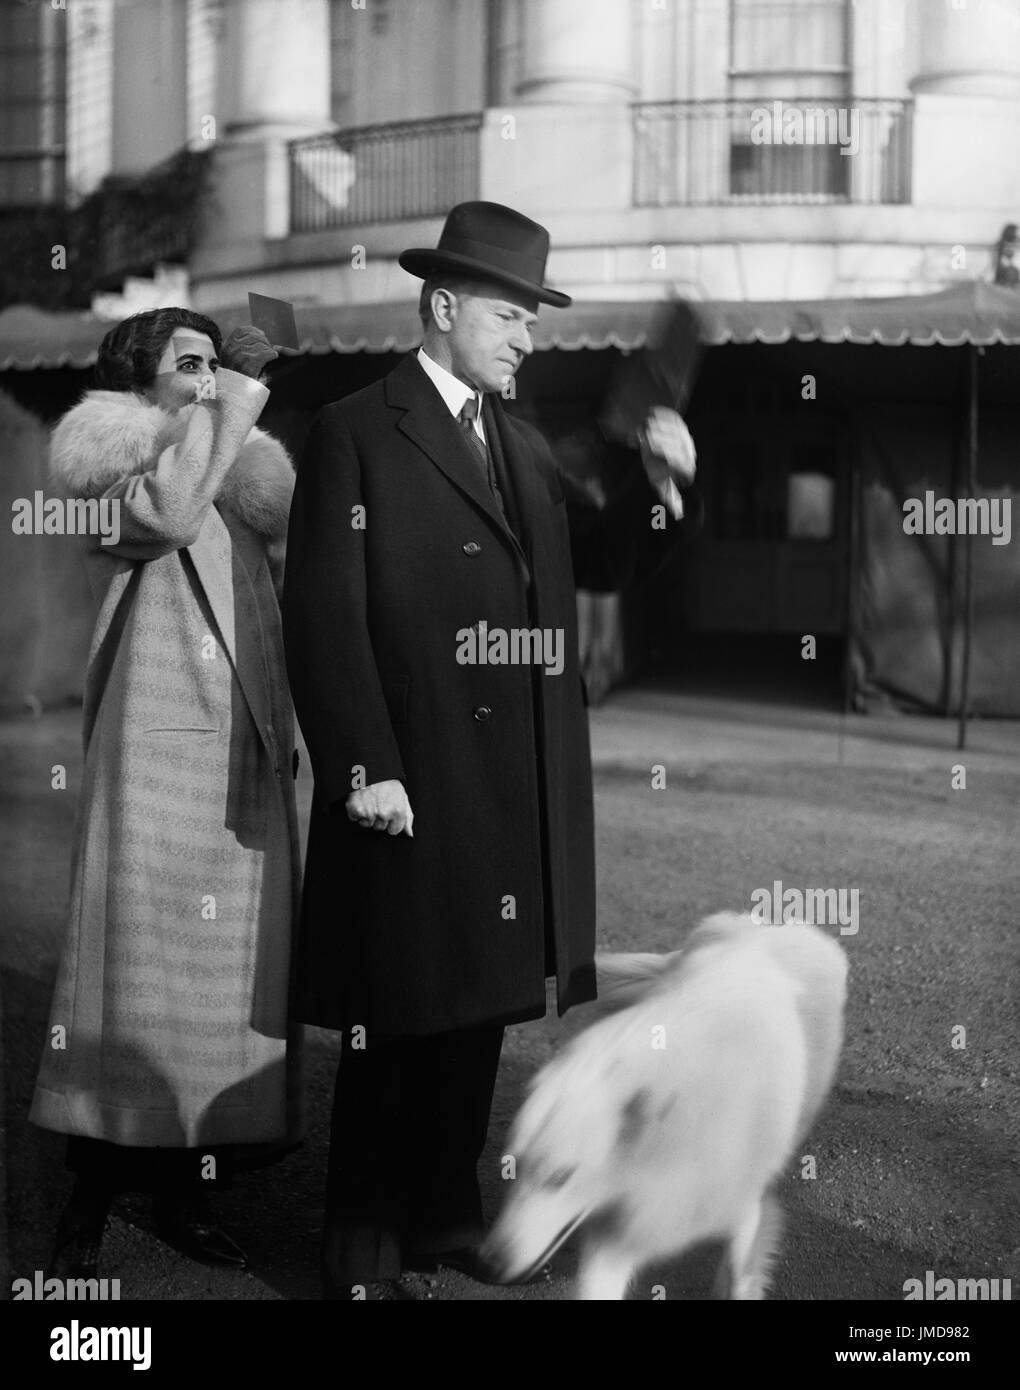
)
(720, 149)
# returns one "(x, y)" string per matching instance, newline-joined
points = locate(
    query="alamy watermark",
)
(67, 516)
(516, 646)
(783, 124)
(50, 1290)
(815, 907)
(942, 1290)
(959, 516)
(78, 1343)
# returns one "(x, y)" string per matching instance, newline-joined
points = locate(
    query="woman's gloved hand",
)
(247, 350)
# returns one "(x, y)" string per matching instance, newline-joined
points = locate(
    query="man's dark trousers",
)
(410, 1117)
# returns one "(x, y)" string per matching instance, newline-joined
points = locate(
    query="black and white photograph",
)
(509, 669)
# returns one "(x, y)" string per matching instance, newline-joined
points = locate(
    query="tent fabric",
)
(969, 312)
(906, 648)
(47, 618)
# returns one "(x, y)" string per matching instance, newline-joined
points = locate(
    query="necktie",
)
(467, 417)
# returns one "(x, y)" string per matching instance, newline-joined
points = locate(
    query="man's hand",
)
(247, 350)
(381, 806)
(667, 449)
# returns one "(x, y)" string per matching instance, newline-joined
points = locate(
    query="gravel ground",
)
(916, 1151)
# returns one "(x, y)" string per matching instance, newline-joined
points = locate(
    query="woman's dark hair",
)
(129, 354)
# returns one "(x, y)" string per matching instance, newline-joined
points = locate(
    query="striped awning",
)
(31, 337)
(970, 312)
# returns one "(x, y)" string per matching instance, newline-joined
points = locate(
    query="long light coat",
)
(173, 987)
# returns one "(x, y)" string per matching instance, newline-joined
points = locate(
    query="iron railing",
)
(383, 173)
(134, 222)
(767, 151)
(686, 153)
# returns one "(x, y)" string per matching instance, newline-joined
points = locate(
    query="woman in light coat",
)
(168, 1044)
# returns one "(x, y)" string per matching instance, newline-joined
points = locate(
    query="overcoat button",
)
(482, 713)
(471, 548)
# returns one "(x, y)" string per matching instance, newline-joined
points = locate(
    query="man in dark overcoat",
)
(430, 628)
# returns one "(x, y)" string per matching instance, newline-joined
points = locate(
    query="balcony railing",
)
(685, 153)
(133, 223)
(766, 151)
(383, 173)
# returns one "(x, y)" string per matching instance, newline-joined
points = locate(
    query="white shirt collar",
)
(453, 391)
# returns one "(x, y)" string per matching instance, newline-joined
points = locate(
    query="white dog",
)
(666, 1123)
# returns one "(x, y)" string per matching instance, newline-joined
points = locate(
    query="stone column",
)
(274, 87)
(274, 65)
(577, 51)
(967, 105)
(90, 95)
(150, 87)
(969, 49)
(567, 145)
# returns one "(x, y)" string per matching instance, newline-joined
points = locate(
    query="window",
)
(767, 487)
(791, 59)
(811, 493)
(774, 41)
(33, 93)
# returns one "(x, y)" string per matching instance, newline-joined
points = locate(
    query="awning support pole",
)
(968, 544)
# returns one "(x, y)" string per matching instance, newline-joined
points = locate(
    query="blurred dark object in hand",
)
(662, 373)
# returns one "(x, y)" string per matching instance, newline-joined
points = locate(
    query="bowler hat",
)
(487, 241)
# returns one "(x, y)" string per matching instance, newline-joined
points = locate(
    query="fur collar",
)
(112, 434)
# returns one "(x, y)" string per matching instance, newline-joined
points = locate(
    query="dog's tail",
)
(623, 977)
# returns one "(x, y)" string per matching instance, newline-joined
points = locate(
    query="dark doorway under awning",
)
(928, 601)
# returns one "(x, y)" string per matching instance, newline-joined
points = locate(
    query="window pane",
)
(32, 102)
(810, 506)
(779, 35)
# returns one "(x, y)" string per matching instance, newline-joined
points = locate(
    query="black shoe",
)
(76, 1256)
(467, 1260)
(185, 1222)
(79, 1235)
